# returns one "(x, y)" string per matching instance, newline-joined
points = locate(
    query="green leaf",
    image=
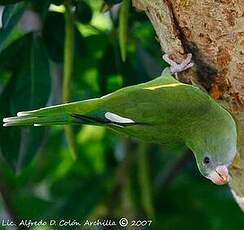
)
(40, 7)
(8, 2)
(83, 12)
(28, 88)
(11, 16)
(107, 67)
(57, 2)
(7, 60)
(123, 27)
(89, 192)
(23, 204)
(53, 35)
(112, 2)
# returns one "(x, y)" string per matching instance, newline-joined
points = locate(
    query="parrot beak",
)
(220, 175)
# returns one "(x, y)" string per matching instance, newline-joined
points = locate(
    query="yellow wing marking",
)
(163, 86)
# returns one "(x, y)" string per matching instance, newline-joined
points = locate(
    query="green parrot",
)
(163, 111)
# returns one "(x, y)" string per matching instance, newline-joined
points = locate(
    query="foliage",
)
(112, 176)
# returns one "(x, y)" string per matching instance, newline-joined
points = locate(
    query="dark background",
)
(113, 176)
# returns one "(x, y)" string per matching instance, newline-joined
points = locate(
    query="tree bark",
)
(213, 31)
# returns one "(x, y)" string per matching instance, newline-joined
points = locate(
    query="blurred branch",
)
(123, 27)
(68, 69)
(143, 173)
(118, 63)
(127, 205)
(169, 173)
(121, 177)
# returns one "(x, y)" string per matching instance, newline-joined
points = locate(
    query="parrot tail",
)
(36, 120)
(56, 115)
(85, 112)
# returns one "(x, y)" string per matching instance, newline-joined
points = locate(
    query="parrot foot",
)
(177, 68)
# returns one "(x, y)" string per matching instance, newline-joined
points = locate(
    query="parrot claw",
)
(177, 68)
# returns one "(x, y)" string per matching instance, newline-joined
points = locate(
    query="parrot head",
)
(214, 168)
(214, 150)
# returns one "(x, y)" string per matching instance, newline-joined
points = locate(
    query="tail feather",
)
(53, 115)
(37, 121)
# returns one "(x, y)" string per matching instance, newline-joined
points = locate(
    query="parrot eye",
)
(206, 160)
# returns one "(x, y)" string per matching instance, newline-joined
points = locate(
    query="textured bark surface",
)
(213, 31)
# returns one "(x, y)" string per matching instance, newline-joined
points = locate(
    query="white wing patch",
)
(37, 125)
(118, 119)
(22, 114)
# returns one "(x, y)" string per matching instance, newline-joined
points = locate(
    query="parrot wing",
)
(161, 100)
(63, 114)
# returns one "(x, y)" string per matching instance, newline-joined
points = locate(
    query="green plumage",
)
(161, 111)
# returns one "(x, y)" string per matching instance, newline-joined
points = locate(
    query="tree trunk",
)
(213, 31)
